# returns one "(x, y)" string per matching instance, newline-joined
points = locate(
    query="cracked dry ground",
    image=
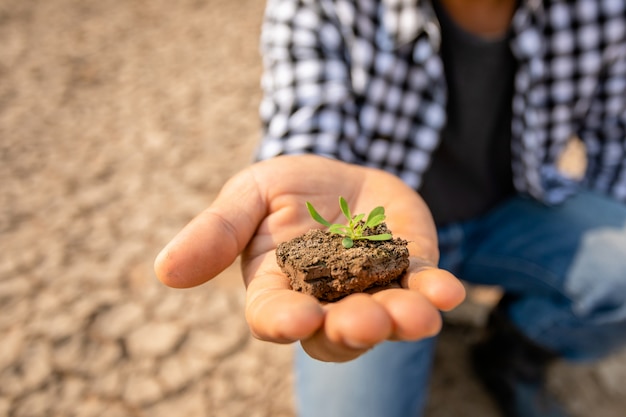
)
(119, 121)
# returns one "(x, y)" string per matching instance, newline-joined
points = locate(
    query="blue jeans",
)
(565, 266)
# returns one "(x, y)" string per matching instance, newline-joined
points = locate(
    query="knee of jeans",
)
(596, 280)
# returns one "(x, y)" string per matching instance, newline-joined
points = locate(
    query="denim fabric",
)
(564, 267)
(391, 380)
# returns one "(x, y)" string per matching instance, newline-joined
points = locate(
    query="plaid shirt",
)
(362, 81)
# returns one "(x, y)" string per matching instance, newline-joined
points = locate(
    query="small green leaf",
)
(374, 218)
(347, 242)
(384, 236)
(344, 208)
(358, 218)
(372, 222)
(339, 229)
(316, 216)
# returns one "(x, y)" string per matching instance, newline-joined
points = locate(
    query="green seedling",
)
(356, 225)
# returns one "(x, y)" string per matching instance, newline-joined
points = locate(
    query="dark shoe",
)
(513, 370)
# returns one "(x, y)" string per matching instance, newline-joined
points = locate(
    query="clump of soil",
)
(319, 265)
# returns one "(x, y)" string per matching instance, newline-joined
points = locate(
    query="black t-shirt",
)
(471, 170)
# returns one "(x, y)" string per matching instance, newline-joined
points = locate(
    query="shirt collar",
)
(405, 20)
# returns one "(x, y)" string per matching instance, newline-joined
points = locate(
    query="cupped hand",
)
(264, 205)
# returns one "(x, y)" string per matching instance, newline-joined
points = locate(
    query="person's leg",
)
(391, 380)
(563, 268)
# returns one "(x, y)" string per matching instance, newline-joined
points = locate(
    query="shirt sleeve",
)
(307, 105)
(604, 131)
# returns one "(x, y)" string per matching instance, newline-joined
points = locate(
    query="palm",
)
(321, 182)
(264, 206)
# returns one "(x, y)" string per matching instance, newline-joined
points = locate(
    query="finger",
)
(275, 313)
(351, 327)
(439, 286)
(412, 315)
(213, 240)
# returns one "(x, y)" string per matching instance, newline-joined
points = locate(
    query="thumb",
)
(213, 240)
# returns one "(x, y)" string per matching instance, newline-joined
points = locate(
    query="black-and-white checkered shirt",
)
(362, 81)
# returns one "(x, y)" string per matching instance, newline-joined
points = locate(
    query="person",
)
(452, 114)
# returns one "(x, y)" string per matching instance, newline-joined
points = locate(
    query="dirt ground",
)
(119, 121)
